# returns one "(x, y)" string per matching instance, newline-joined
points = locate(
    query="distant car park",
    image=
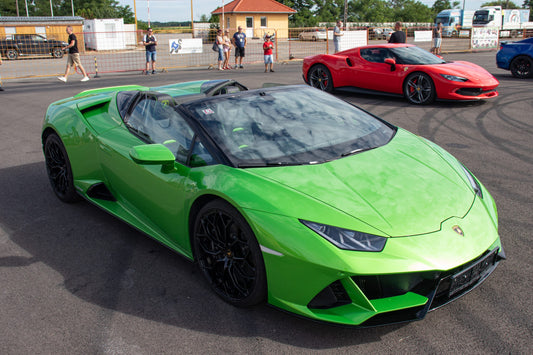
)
(380, 33)
(313, 34)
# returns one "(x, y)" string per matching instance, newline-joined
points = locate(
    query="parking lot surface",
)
(75, 280)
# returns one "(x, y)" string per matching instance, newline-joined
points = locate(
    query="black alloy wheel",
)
(320, 77)
(419, 89)
(59, 170)
(228, 254)
(521, 67)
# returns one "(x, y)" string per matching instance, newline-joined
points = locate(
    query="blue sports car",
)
(516, 57)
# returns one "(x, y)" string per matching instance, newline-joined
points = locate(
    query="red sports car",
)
(401, 69)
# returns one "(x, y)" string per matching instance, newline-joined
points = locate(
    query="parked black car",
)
(30, 44)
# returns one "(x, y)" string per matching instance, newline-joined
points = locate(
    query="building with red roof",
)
(256, 17)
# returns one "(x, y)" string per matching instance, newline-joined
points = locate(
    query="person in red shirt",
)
(269, 58)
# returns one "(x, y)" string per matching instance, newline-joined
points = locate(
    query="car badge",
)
(458, 230)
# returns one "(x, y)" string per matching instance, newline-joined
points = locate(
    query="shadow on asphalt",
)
(111, 265)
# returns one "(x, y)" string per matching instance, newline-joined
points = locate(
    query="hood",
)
(403, 188)
(466, 69)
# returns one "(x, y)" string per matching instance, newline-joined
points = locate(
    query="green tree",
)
(329, 10)
(503, 4)
(411, 11)
(376, 11)
(440, 5)
(88, 9)
(304, 17)
(8, 8)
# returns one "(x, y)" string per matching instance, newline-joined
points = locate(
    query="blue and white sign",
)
(185, 45)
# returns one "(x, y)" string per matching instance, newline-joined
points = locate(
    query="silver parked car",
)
(313, 34)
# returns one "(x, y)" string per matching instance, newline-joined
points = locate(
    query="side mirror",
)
(153, 154)
(391, 62)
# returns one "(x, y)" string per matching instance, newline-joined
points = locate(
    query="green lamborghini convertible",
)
(285, 195)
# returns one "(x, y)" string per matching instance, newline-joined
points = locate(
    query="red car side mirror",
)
(391, 62)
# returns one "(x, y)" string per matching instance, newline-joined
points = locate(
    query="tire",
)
(319, 77)
(419, 89)
(228, 255)
(521, 67)
(12, 54)
(301, 38)
(59, 170)
(57, 53)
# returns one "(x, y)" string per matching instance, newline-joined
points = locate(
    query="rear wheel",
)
(59, 170)
(320, 77)
(228, 254)
(419, 89)
(521, 67)
(12, 54)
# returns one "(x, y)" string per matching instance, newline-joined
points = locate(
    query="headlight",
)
(473, 182)
(454, 78)
(347, 239)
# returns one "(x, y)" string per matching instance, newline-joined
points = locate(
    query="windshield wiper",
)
(351, 152)
(269, 164)
(355, 151)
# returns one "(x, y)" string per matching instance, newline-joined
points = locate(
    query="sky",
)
(180, 10)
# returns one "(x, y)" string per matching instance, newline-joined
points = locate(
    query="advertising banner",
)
(185, 45)
(485, 37)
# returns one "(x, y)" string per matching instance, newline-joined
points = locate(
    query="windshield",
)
(481, 17)
(443, 19)
(415, 55)
(288, 126)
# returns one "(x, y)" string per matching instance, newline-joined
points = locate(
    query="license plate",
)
(469, 276)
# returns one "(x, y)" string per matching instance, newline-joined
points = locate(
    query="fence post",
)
(95, 69)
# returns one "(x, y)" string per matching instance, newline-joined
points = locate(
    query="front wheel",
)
(228, 254)
(59, 170)
(57, 53)
(521, 67)
(12, 54)
(320, 77)
(419, 89)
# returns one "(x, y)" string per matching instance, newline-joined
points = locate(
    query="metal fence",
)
(111, 52)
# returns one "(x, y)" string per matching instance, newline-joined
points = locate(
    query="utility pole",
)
(345, 14)
(192, 22)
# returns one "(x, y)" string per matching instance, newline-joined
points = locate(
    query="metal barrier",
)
(112, 52)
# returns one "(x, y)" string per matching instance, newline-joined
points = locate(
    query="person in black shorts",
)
(239, 41)
(73, 56)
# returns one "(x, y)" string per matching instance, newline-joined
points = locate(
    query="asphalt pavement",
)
(74, 280)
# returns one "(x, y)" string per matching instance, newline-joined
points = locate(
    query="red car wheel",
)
(319, 77)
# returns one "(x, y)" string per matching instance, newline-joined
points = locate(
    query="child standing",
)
(269, 58)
